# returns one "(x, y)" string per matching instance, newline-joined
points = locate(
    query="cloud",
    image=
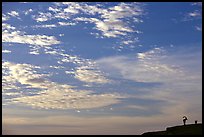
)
(71, 10)
(53, 95)
(80, 125)
(54, 25)
(123, 10)
(34, 52)
(66, 23)
(45, 26)
(112, 21)
(61, 35)
(90, 75)
(42, 17)
(68, 99)
(55, 123)
(13, 13)
(5, 17)
(57, 67)
(23, 73)
(127, 42)
(10, 34)
(197, 4)
(53, 9)
(7, 27)
(19, 37)
(58, 11)
(179, 80)
(86, 70)
(108, 29)
(148, 67)
(199, 28)
(6, 51)
(195, 14)
(28, 11)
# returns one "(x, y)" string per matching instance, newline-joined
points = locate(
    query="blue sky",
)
(100, 68)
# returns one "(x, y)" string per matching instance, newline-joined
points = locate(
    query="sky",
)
(100, 67)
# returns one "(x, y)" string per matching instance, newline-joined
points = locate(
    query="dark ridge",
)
(191, 129)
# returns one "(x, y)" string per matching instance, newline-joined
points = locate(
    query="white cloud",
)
(5, 17)
(53, 9)
(6, 26)
(197, 4)
(66, 23)
(141, 55)
(61, 35)
(51, 52)
(57, 67)
(199, 28)
(13, 13)
(90, 75)
(123, 10)
(6, 51)
(42, 17)
(111, 21)
(10, 34)
(127, 42)
(35, 52)
(194, 14)
(108, 29)
(19, 37)
(23, 74)
(45, 26)
(71, 10)
(54, 95)
(57, 12)
(86, 70)
(28, 11)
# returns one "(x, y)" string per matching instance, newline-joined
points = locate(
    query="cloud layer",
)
(179, 81)
(52, 95)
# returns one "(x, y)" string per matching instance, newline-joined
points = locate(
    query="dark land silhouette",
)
(190, 129)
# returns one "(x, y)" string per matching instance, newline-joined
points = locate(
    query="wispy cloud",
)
(199, 28)
(195, 14)
(172, 72)
(147, 67)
